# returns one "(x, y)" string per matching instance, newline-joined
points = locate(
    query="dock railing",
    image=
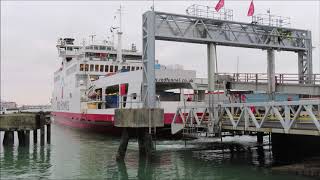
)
(290, 117)
(263, 78)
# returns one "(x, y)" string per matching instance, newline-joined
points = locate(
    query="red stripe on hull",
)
(104, 118)
(88, 125)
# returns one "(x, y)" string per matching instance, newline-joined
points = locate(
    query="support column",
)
(271, 74)
(301, 63)
(48, 133)
(260, 137)
(212, 59)
(146, 146)
(27, 137)
(42, 135)
(21, 137)
(8, 139)
(123, 145)
(35, 136)
(148, 59)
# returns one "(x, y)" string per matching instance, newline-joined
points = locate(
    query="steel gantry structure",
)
(192, 29)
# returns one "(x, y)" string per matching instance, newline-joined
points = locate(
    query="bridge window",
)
(81, 67)
(96, 48)
(115, 68)
(137, 68)
(86, 67)
(132, 68)
(111, 68)
(101, 68)
(106, 68)
(91, 67)
(96, 68)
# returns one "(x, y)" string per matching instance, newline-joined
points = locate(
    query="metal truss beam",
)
(184, 28)
(289, 117)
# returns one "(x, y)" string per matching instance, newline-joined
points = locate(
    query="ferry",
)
(98, 78)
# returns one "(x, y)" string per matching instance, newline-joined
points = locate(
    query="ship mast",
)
(119, 48)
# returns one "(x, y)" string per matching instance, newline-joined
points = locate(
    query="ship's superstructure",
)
(92, 82)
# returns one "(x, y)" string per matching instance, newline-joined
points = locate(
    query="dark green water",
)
(75, 154)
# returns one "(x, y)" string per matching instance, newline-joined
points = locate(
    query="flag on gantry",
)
(251, 9)
(219, 5)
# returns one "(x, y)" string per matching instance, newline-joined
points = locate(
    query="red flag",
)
(219, 5)
(251, 9)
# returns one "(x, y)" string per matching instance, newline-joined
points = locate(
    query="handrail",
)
(281, 78)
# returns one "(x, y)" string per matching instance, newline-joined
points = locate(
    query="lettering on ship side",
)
(174, 80)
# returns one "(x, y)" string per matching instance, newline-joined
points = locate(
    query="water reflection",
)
(77, 154)
(25, 162)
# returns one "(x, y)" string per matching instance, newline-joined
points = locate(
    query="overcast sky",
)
(29, 31)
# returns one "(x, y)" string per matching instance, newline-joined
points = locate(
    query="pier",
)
(286, 121)
(23, 124)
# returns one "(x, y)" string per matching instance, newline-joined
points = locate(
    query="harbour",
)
(75, 154)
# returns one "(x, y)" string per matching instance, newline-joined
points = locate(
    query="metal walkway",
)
(285, 83)
(290, 117)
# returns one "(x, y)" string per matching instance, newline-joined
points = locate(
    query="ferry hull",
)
(102, 123)
(95, 126)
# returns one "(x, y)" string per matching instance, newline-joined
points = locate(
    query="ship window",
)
(115, 68)
(96, 48)
(81, 67)
(86, 67)
(132, 68)
(109, 48)
(111, 96)
(106, 68)
(137, 68)
(101, 68)
(128, 68)
(102, 48)
(91, 67)
(69, 48)
(111, 68)
(123, 67)
(96, 68)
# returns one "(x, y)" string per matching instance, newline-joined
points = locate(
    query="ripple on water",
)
(77, 154)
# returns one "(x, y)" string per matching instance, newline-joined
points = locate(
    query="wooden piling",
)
(48, 133)
(42, 135)
(42, 128)
(27, 137)
(145, 142)
(21, 137)
(35, 136)
(123, 144)
(260, 137)
(8, 139)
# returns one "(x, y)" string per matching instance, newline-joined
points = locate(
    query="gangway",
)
(289, 117)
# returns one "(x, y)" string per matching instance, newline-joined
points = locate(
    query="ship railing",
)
(135, 102)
